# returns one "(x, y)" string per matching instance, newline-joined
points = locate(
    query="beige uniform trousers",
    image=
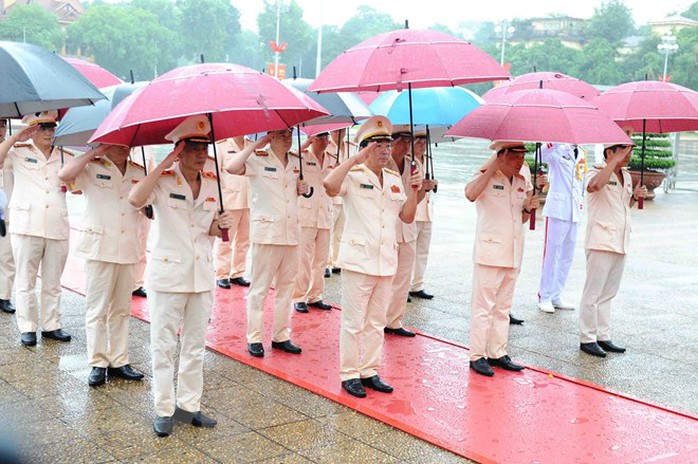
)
(422, 254)
(364, 302)
(312, 259)
(7, 268)
(143, 231)
(31, 252)
(604, 273)
(234, 266)
(272, 265)
(107, 312)
(493, 293)
(169, 312)
(338, 221)
(401, 284)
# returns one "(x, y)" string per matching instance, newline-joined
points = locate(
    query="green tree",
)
(209, 27)
(612, 21)
(33, 24)
(294, 31)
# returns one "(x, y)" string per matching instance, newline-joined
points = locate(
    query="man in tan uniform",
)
(7, 262)
(315, 217)
(610, 198)
(374, 200)
(39, 226)
(504, 201)
(180, 273)
(231, 256)
(274, 229)
(110, 246)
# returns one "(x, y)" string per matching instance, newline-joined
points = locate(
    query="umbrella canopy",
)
(78, 124)
(94, 73)
(421, 58)
(540, 115)
(344, 107)
(436, 106)
(545, 80)
(240, 100)
(34, 79)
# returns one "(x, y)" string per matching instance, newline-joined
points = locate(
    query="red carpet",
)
(529, 417)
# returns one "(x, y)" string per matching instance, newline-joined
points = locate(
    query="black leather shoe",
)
(515, 321)
(400, 331)
(301, 307)
(28, 338)
(288, 346)
(140, 291)
(125, 372)
(608, 345)
(505, 363)
(328, 273)
(375, 383)
(163, 426)
(593, 349)
(202, 420)
(354, 388)
(223, 283)
(97, 376)
(482, 367)
(422, 294)
(256, 350)
(6, 306)
(319, 304)
(239, 281)
(58, 334)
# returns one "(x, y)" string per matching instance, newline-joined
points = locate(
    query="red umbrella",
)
(545, 80)
(94, 73)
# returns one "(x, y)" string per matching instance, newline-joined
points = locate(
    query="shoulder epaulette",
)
(390, 171)
(23, 145)
(168, 173)
(209, 175)
(261, 153)
(135, 165)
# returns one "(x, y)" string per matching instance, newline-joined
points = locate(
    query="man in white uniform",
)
(7, 262)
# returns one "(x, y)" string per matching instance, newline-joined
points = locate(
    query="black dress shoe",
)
(375, 383)
(400, 331)
(163, 426)
(97, 376)
(328, 273)
(482, 367)
(239, 281)
(515, 321)
(593, 349)
(354, 388)
(301, 307)
(256, 349)
(6, 306)
(140, 291)
(319, 304)
(288, 346)
(506, 363)
(125, 372)
(28, 338)
(58, 334)
(422, 294)
(223, 283)
(336, 270)
(608, 345)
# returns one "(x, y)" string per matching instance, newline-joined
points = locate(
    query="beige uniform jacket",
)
(38, 207)
(274, 206)
(369, 243)
(608, 226)
(181, 260)
(109, 229)
(235, 188)
(316, 211)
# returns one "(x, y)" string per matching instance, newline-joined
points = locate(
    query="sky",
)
(424, 13)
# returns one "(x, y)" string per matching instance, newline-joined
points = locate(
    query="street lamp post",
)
(502, 27)
(668, 46)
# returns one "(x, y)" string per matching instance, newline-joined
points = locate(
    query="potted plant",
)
(659, 158)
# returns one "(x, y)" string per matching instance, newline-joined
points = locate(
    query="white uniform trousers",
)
(272, 265)
(143, 231)
(107, 312)
(604, 272)
(560, 238)
(169, 312)
(422, 254)
(493, 293)
(401, 284)
(31, 252)
(7, 268)
(312, 260)
(338, 221)
(234, 266)
(364, 302)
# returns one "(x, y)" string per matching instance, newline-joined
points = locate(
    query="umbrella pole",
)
(224, 232)
(532, 221)
(148, 209)
(641, 200)
(300, 163)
